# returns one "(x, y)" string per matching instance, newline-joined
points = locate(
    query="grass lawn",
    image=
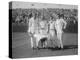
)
(21, 46)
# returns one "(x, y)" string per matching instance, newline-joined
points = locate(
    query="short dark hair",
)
(61, 16)
(30, 15)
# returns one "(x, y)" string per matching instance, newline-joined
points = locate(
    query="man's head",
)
(30, 15)
(61, 16)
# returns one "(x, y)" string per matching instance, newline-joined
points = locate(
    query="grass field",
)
(21, 46)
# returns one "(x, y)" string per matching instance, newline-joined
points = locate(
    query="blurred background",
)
(20, 17)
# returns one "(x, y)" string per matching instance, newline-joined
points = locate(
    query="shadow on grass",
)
(65, 47)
